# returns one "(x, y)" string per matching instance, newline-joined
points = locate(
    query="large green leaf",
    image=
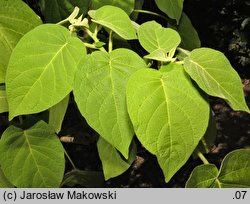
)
(153, 37)
(173, 8)
(168, 113)
(57, 113)
(189, 36)
(112, 162)
(127, 6)
(100, 93)
(4, 182)
(234, 172)
(214, 74)
(16, 19)
(57, 10)
(115, 19)
(33, 157)
(41, 69)
(3, 101)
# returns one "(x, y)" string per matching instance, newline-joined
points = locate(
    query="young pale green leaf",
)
(168, 113)
(57, 113)
(173, 8)
(4, 182)
(153, 36)
(57, 10)
(189, 36)
(214, 74)
(3, 102)
(234, 172)
(33, 157)
(127, 6)
(112, 162)
(16, 20)
(100, 94)
(115, 19)
(86, 179)
(41, 69)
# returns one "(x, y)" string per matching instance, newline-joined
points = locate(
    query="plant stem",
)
(63, 21)
(110, 41)
(90, 45)
(201, 156)
(94, 37)
(70, 160)
(151, 13)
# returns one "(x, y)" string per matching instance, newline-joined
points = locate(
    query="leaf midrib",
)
(34, 158)
(168, 116)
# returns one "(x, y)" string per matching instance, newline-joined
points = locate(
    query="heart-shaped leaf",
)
(213, 73)
(100, 93)
(127, 6)
(234, 172)
(16, 20)
(112, 162)
(57, 10)
(153, 36)
(41, 69)
(33, 157)
(168, 113)
(173, 8)
(115, 19)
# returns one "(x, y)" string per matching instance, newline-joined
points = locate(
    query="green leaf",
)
(127, 6)
(57, 113)
(168, 113)
(33, 157)
(214, 74)
(16, 20)
(4, 182)
(100, 94)
(86, 179)
(203, 176)
(153, 36)
(115, 19)
(57, 10)
(189, 36)
(3, 102)
(112, 162)
(173, 8)
(234, 172)
(41, 69)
